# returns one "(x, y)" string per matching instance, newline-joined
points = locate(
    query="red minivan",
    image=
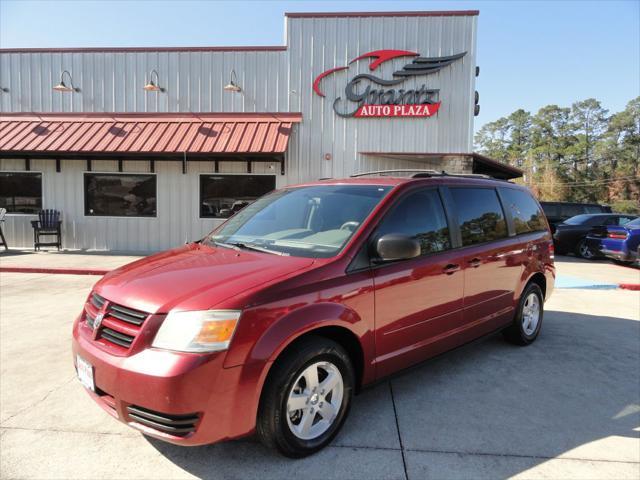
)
(272, 322)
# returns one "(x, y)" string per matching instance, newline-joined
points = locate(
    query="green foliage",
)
(579, 153)
(626, 206)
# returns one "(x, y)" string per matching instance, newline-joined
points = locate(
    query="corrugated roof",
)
(262, 133)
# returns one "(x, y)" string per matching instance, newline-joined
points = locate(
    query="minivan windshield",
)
(315, 221)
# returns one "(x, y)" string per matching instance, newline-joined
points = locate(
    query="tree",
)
(578, 153)
(492, 139)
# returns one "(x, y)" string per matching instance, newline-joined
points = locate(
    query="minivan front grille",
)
(177, 425)
(97, 301)
(91, 320)
(126, 314)
(120, 325)
(118, 338)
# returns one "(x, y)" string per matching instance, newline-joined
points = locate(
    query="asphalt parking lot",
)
(567, 406)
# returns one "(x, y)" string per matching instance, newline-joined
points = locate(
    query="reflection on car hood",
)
(194, 277)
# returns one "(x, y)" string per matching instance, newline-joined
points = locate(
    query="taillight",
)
(552, 249)
(617, 235)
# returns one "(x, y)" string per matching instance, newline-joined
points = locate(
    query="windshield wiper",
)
(251, 246)
(226, 245)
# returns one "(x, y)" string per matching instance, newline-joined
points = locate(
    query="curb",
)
(630, 286)
(58, 271)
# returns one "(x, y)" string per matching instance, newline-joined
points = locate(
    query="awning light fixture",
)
(233, 86)
(153, 86)
(63, 87)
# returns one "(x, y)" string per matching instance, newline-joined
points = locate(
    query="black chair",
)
(48, 225)
(3, 241)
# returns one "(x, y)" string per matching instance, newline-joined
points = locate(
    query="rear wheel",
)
(307, 397)
(583, 250)
(528, 319)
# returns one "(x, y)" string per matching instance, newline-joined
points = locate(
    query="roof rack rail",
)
(463, 175)
(424, 173)
(399, 170)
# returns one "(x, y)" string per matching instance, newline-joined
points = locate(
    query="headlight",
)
(199, 331)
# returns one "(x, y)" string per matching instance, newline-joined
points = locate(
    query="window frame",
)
(511, 225)
(229, 174)
(42, 192)
(84, 194)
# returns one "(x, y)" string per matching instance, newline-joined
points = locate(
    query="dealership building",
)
(142, 149)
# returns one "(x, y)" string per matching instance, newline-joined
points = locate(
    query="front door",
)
(417, 301)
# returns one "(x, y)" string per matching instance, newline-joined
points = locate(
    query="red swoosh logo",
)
(316, 82)
(382, 56)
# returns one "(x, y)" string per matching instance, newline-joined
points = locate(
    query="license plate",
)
(85, 373)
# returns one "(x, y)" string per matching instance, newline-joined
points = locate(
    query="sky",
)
(531, 53)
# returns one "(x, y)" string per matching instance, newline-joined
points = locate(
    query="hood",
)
(194, 277)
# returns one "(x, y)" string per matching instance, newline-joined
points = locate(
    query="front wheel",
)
(528, 319)
(306, 398)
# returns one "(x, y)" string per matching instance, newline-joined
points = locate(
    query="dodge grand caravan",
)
(272, 322)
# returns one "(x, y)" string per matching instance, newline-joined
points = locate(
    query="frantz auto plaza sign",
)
(389, 102)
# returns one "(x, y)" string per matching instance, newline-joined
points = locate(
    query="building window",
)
(120, 195)
(223, 195)
(21, 192)
(480, 215)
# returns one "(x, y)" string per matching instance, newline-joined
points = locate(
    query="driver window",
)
(419, 215)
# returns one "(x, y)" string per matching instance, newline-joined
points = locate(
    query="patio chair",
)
(3, 212)
(49, 224)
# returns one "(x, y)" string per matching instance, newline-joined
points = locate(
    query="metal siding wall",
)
(272, 81)
(113, 81)
(318, 44)
(177, 218)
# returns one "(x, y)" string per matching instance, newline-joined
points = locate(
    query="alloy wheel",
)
(314, 401)
(531, 314)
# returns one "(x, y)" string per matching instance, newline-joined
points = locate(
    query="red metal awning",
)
(142, 133)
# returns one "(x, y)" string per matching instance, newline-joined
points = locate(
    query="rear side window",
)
(551, 209)
(593, 209)
(420, 215)
(527, 216)
(480, 215)
(573, 210)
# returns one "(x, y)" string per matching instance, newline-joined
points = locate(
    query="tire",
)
(583, 251)
(298, 433)
(525, 329)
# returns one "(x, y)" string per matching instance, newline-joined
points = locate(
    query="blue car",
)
(619, 242)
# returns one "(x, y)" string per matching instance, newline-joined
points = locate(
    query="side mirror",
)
(396, 247)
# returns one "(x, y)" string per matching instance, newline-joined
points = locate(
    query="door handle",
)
(451, 268)
(475, 262)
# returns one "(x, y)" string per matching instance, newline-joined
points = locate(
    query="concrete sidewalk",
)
(567, 406)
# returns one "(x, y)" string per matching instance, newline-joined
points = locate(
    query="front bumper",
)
(221, 403)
